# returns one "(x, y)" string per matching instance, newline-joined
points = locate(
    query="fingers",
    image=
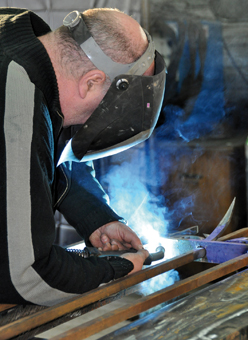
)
(95, 239)
(105, 239)
(109, 244)
(113, 244)
(144, 253)
(121, 232)
(130, 239)
(115, 236)
(120, 245)
(106, 242)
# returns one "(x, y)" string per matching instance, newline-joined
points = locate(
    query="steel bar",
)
(147, 302)
(216, 252)
(4, 307)
(235, 234)
(51, 313)
(70, 316)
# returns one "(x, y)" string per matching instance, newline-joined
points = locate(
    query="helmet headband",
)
(74, 21)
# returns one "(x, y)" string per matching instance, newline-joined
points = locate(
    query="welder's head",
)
(128, 112)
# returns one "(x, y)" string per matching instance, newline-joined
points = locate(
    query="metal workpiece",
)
(217, 311)
(217, 249)
(224, 223)
(216, 252)
(130, 310)
(82, 302)
(199, 253)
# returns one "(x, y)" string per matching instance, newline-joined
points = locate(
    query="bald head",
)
(133, 32)
(119, 36)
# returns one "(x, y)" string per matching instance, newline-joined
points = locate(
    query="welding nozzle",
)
(159, 255)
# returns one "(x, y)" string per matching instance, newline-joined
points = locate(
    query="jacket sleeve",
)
(79, 196)
(86, 205)
(33, 269)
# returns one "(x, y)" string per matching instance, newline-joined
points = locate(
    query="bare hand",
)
(115, 236)
(137, 258)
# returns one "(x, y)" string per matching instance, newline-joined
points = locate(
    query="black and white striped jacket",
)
(32, 269)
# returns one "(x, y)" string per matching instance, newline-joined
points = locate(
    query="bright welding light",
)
(153, 238)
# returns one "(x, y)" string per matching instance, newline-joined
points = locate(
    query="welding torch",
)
(93, 251)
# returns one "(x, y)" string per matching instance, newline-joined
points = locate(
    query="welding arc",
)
(132, 309)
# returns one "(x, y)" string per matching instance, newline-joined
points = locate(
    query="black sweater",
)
(32, 269)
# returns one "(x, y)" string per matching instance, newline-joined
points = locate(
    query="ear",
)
(92, 80)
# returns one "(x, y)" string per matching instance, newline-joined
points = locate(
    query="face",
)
(89, 109)
(80, 115)
(92, 101)
(150, 70)
(78, 104)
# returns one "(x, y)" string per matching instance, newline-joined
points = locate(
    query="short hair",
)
(108, 33)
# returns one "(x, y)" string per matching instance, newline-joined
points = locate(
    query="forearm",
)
(68, 274)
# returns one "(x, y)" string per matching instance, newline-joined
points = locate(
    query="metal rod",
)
(147, 302)
(224, 223)
(235, 234)
(51, 313)
(4, 307)
(20, 311)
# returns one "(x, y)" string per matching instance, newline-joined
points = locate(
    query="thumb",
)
(143, 252)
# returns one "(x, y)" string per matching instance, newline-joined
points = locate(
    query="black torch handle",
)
(159, 255)
(92, 251)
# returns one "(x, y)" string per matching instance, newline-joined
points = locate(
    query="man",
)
(51, 80)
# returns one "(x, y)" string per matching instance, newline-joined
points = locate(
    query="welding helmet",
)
(128, 112)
